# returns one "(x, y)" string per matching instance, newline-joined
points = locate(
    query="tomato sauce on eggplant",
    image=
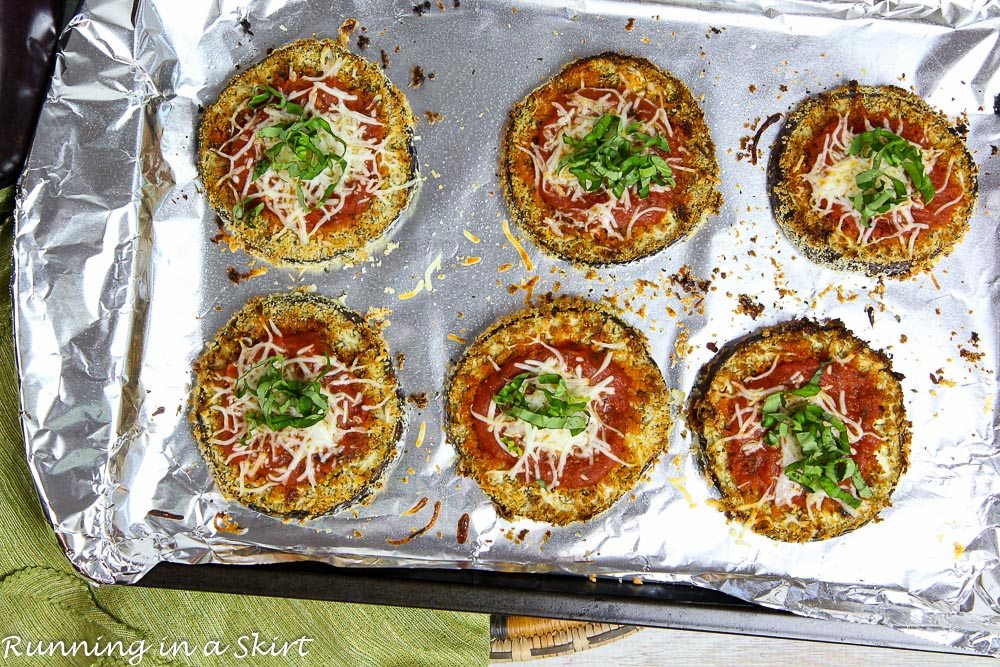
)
(642, 110)
(615, 410)
(293, 344)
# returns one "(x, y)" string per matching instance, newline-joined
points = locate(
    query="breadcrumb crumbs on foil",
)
(146, 287)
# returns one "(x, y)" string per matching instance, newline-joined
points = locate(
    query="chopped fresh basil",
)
(512, 446)
(293, 147)
(560, 409)
(294, 150)
(265, 95)
(617, 158)
(826, 449)
(878, 191)
(283, 402)
(240, 210)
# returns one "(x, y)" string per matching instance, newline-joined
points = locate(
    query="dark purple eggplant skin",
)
(28, 30)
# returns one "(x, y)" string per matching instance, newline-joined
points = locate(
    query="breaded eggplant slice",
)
(812, 178)
(857, 387)
(597, 228)
(330, 164)
(299, 471)
(592, 349)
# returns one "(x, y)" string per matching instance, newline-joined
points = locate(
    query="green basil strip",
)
(295, 151)
(282, 402)
(833, 490)
(561, 409)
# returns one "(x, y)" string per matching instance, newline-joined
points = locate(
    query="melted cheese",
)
(832, 183)
(576, 120)
(553, 447)
(299, 450)
(291, 201)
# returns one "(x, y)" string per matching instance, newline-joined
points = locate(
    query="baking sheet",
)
(118, 287)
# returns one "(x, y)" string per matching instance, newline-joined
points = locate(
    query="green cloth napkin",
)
(42, 598)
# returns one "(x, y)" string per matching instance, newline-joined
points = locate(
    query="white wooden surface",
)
(661, 648)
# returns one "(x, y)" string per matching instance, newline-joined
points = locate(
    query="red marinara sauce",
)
(946, 185)
(356, 201)
(756, 471)
(616, 411)
(306, 342)
(644, 111)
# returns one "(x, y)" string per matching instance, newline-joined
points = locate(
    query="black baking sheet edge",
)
(676, 606)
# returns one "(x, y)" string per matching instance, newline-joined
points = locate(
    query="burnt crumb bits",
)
(752, 88)
(630, 25)
(783, 88)
(159, 411)
(433, 117)
(363, 42)
(462, 534)
(245, 27)
(771, 120)
(749, 306)
(222, 230)
(346, 28)
(385, 59)
(419, 400)
(417, 77)
(996, 105)
(687, 281)
(994, 150)
(237, 276)
(420, 8)
(712, 346)
(970, 355)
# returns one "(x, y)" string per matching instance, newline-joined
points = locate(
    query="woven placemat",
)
(517, 638)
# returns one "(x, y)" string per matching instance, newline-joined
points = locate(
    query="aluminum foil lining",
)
(118, 287)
